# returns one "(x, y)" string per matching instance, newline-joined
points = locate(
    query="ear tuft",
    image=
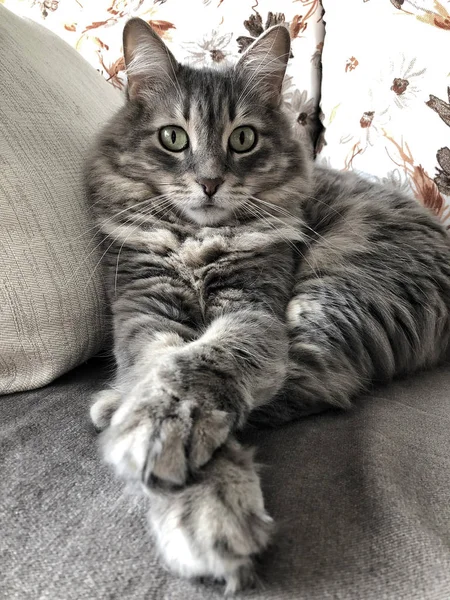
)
(149, 62)
(265, 61)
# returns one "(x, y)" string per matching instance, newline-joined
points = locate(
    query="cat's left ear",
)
(265, 61)
(149, 62)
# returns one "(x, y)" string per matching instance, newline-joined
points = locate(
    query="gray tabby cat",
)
(245, 282)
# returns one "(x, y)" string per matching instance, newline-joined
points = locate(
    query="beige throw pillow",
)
(51, 295)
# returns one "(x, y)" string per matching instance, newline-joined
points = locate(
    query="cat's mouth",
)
(207, 213)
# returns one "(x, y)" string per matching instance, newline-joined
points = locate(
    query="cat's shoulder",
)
(349, 200)
(348, 183)
(354, 192)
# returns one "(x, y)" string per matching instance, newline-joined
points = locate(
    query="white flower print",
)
(302, 108)
(303, 113)
(399, 84)
(373, 117)
(210, 50)
(370, 129)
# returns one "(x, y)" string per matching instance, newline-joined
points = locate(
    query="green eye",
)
(242, 139)
(173, 138)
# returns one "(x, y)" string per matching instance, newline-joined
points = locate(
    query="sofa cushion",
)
(361, 500)
(386, 94)
(51, 294)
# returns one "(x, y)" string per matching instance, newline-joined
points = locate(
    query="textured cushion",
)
(386, 94)
(361, 500)
(51, 313)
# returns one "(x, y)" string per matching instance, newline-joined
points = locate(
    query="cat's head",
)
(211, 145)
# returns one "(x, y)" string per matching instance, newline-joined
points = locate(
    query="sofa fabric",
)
(361, 500)
(51, 294)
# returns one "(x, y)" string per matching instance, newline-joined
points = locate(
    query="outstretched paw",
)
(158, 437)
(216, 526)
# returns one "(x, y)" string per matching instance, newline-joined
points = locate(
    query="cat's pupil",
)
(173, 136)
(242, 138)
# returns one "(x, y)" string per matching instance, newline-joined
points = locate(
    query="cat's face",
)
(211, 145)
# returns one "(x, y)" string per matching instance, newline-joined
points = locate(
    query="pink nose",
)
(210, 186)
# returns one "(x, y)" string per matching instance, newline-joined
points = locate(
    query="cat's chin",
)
(208, 216)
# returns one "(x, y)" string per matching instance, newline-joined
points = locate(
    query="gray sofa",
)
(361, 499)
(362, 502)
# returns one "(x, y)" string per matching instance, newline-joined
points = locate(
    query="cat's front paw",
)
(157, 436)
(217, 525)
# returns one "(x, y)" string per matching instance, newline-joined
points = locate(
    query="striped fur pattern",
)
(292, 289)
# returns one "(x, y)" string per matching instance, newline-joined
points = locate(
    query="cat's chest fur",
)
(205, 262)
(193, 254)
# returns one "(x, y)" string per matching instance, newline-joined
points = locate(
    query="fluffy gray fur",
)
(292, 289)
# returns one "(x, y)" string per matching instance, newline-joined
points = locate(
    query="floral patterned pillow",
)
(200, 32)
(386, 94)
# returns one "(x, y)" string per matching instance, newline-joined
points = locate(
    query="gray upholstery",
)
(362, 500)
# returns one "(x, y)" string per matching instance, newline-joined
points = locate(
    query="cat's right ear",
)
(149, 62)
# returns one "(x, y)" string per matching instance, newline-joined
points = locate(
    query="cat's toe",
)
(105, 404)
(243, 578)
(147, 438)
(158, 437)
(209, 431)
(166, 460)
